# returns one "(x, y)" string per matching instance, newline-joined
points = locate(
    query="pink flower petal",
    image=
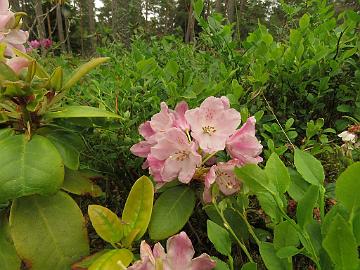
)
(4, 5)
(180, 251)
(203, 262)
(141, 149)
(146, 130)
(17, 64)
(180, 120)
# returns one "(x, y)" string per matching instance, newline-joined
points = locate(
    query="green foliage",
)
(219, 237)
(172, 210)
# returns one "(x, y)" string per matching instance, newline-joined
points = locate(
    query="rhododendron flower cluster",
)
(179, 256)
(10, 34)
(184, 143)
(36, 44)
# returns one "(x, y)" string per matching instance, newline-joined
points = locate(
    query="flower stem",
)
(228, 227)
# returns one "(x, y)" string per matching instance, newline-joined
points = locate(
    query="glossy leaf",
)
(117, 259)
(139, 206)
(277, 173)
(340, 244)
(9, 260)
(309, 167)
(79, 183)
(249, 266)
(347, 186)
(272, 262)
(86, 262)
(29, 167)
(287, 252)
(304, 210)
(106, 223)
(298, 185)
(48, 232)
(172, 210)
(80, 112)
(285, 235)
(219, 237)
(220, 265)
(83, 70)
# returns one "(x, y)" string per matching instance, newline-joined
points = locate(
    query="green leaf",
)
(139, 206)
(304, 210)
(86, 262)
(172, 68)
(347, 186)
(79, 112)
(255, 178)
(83, 70)
(304, 21)
(6, 73)
(56, 79)
(117, 259)
(269, 205)
(172, 210)
(9, 260)
(285, 235)
(298, 185)
(249, 266)
(309, 167)
(198, 7)
(6, 133)
(220, 265)
(287, 252)
(106, 223)
(219, 237)
(79, 183)
(29, 167)
(341, 245)
(277, 173)
(69, 145)
(48, 232)
(272, 262)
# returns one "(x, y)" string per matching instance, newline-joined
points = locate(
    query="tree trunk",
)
(48, 24)
(189, 35)
(60, 27)
(230, 8)
(39, 19)
(92, 30)
(67, 31)
(218, 6)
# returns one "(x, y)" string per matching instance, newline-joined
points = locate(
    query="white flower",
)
(347, 136)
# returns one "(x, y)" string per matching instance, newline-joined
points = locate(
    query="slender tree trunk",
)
(230, 8)
(48, 24)
(92, 30)
(81, 26)
(218, 6)
(67, 31)
(60, 27)
(39, 19)
(189, 35)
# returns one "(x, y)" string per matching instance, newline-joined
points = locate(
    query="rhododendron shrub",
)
(183, 144)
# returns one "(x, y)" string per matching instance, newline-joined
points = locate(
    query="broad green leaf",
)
(220, 265)
(29, 167)
(347, 187)
(172, 68)
(79, 183)
(304, 210)
(287, 252)
(83, 70)
(277, 173)
(9, 260)
(337, 209)
(86, 262)
(219, 237)
(106, 223)
(6, 73)
(69, 145)
(255, 178)
(79, 112)
(5, 133)
(285, 235)
(249, 266)
(298, 185)
(117, 259)
(272, 262)
(356, 227)
(198, 7)
(172, 210)
(139, 206)
(304, 21)
(340, 244)
(49, 232)
(269, 205)
(309, 167)
(56, 79)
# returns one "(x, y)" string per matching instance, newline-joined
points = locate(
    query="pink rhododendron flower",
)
(243, 145)
(212, 123)
(223, 175)
(46, 43)
(162, 121)
(180, 156)
(180, 120)
(17, 64)
(35, 44)
(13, 38)
(180, 253)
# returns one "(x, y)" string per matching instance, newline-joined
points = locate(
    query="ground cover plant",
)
(234, 146)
